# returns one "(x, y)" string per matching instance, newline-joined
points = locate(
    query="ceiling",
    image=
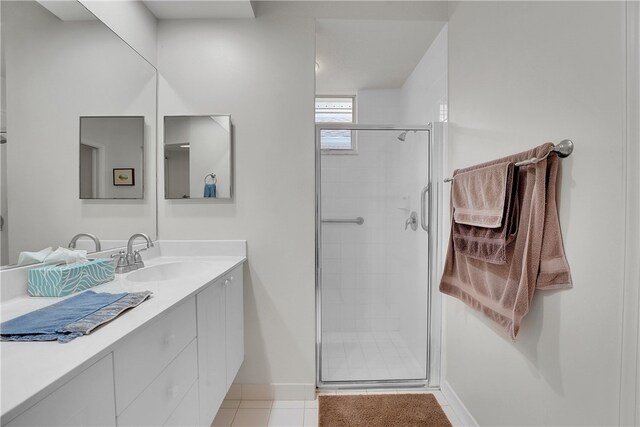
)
(68, 10)
(188, 9)
(369, 54)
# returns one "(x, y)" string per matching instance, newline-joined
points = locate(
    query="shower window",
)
(336, 109)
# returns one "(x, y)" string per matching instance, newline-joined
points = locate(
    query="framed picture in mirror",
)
(124, 177)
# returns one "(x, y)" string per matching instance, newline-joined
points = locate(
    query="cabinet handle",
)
(231, 278)
(226, 282)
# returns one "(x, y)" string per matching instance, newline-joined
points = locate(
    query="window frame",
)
(354, 142)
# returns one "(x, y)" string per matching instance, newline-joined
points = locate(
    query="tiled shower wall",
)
(357, 296)
(370, 272)
(372, 281)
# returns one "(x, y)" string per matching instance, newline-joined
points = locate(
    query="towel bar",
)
(564, 148)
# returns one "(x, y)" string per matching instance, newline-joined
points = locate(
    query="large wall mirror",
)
(197, 157)
(61, 64)
(111, 157)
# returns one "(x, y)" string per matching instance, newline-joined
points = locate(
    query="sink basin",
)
(169, 271)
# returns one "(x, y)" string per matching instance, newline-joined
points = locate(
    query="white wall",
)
(262, 73)
(178, 131)
(3, 102)
(522, 73)
(73, 69)
(132, 21)
(176, 161)
(209, 152)
(4, 236)
(423, 100)
(177, 165)
(424, 94)
(630, 372)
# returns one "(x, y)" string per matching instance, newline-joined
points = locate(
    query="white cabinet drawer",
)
(161, 398)
(86, 400)
(141, 357)
(186, 414)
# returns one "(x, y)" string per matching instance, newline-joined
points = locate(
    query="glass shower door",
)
(373, 252)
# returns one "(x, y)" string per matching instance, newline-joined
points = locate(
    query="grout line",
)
(234, 416)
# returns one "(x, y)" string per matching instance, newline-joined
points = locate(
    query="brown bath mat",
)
(382, 410)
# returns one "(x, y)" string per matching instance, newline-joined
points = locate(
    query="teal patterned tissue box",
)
(62, 280)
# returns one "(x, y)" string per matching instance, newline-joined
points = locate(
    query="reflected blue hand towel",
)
(210, 190)
(47, 324)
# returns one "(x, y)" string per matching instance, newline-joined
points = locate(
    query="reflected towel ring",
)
(211, 179)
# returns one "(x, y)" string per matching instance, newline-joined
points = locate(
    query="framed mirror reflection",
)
(111, 156)
(197, 157)
(59, 65)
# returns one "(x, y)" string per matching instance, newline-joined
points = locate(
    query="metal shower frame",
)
(434, 191)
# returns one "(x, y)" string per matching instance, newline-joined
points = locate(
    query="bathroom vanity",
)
(169, 361)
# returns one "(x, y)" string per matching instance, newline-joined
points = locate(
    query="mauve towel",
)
(478, 195)
(536, 258)
(489, 244)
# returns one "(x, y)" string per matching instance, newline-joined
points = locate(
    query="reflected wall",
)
(58, 69)
(197, 153)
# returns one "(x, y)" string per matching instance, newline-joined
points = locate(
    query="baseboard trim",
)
(277, 391)
(456, 404)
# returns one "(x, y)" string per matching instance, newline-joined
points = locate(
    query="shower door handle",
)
(423, 219)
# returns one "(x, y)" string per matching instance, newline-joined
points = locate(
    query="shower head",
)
(402, 136)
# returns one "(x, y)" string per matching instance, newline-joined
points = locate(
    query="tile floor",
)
(298, 413)
(368, 355)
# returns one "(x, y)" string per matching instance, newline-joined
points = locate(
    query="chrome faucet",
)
(72, 243)
(133, 257)
(131, 260)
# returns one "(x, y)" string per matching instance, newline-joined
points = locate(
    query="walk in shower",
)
(376, 205)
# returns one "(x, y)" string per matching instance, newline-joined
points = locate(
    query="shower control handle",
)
(412, 221)
(423, 196)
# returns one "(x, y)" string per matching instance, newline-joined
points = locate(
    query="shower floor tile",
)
(362, 356)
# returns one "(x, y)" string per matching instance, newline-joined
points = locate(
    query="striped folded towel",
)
(71, 318)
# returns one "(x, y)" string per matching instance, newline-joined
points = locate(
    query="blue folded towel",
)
(70, 318)
(107, 313)
(210, 190)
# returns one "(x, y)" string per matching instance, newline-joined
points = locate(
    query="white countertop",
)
(31, 370)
